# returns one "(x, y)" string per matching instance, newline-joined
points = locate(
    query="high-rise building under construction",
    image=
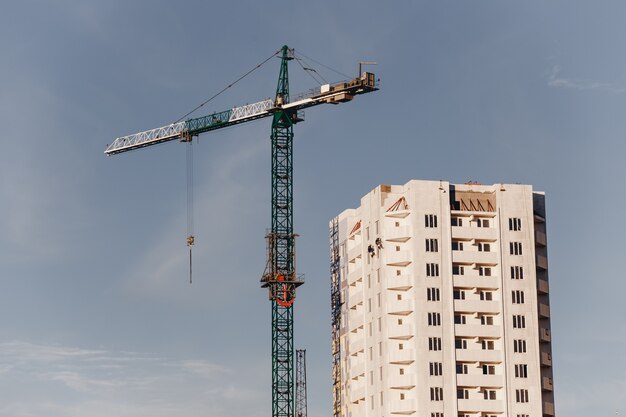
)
(441, 303)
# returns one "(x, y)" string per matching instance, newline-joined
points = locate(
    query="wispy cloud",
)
(556, 80)
(61, 381)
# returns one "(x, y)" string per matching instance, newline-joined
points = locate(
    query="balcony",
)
(399, 214)
(479, 380)
(397, 258)
(355, 298)
(357, 369)
(354, 253)
(480, 233)
(477, 330)
(402, 407)
(406, 381)
(548, 408)
(542, 286)
(546, 359)
(357, 345)
(546, 383)
(400, 307)
(404, 356)
(542, 262)
(544, 335)
(475, 281)
(478, 355)
(477, 406)
(471, 257)
(476, 306)
(403, 332)
(540, 238)
(357, 394)
(399, 282)
(544, 311)
(355, 275)
(398, 234)
(355, 320)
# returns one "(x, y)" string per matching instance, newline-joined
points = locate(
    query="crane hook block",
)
(190, 240)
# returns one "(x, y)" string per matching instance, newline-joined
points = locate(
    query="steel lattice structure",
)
(335, 305)
(301, 408)
(280, 274)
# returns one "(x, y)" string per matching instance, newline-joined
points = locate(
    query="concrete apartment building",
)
(441, 303)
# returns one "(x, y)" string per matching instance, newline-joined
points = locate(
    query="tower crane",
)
(280, 276)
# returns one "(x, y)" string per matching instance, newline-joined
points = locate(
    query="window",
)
(436, 414)
(377, 231)
(401, 371)
(397, 224)
(372, 401)
(515, 248)
(521, 370)
(461, 368)
(489, 394)
(484, 247)
(371, 377)
(436, 394)
(489, 369)
(434, 343)
(456, 221)
(487, 344)
(381, 398)
(484, 271)
(459, 294)
(432, 294)
(434, 319)
(371, 350)
(460, 343)
(482, 222)
(430, 220)
(367, 233)
(378, 300)
(399, 297)
(519, 346)
(369, 326)
(458, 270)
(517, 272)
(436, 368)
(400, 346)
(462, 393)
(517, 296)
(519, 321)
(456, 245)
(369, 281)
(397, 248)
(521, 395)
(401, 396)
(432, 270)
(486, 295)
(398, 273)
(486, 320)
(515, 224)
(400, 321)
(432, 245)
(460, 319)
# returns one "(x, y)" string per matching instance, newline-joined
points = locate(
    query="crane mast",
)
(279, 277)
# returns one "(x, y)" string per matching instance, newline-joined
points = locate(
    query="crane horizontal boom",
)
(184, 131)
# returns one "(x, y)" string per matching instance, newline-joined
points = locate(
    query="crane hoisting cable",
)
(190, 232)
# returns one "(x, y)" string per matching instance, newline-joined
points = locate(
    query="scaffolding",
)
(335, 301)
(301, 383)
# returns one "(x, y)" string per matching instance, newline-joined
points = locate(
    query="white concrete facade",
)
(445, 309)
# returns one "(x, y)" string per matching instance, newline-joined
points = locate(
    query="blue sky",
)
(96, 315)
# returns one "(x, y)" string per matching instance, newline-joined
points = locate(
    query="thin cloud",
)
(63, 381)
(557, 81)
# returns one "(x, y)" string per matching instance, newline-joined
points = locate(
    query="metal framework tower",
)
(280, 275)
(301, 408)
(335, 304)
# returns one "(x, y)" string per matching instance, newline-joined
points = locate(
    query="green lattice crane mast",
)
(280, 274)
